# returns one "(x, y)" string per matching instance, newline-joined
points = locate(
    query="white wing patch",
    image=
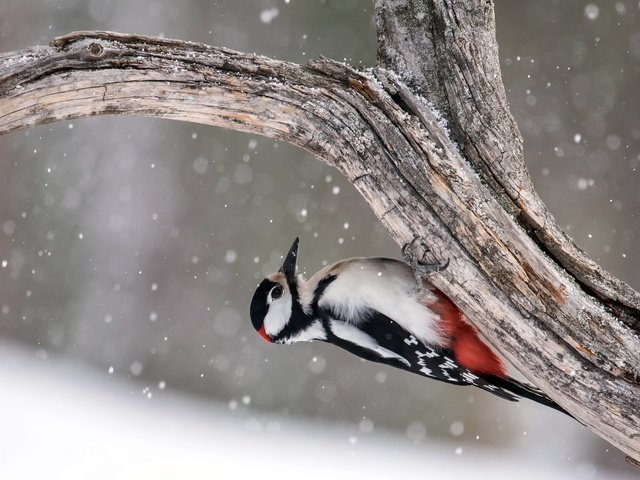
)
(385, 285)
(315, 331)
(353, 334)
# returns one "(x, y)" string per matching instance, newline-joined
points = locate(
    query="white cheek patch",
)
(353, 334)
(278, 315)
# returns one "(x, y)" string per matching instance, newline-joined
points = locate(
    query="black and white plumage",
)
(373, 308)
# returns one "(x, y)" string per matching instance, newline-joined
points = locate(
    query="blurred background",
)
(130, 247)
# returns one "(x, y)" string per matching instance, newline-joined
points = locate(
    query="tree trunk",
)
(427, 139)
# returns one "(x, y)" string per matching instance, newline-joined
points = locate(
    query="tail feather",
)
(524, 390)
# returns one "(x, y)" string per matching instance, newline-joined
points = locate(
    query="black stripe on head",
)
(299, 318)
(259, 306)
(319, 291)
(298, 321)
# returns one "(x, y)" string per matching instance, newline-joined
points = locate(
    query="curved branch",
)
(393, 147)
(452, 59)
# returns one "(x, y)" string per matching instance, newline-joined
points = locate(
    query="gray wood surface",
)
(427, 138)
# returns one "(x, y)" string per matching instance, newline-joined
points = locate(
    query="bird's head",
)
(275, 307)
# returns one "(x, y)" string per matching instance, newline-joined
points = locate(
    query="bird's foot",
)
(421, 268)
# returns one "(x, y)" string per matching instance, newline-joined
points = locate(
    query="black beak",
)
(289, 265)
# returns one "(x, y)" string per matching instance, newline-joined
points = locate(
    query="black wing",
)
(410, 354)
(415, 356)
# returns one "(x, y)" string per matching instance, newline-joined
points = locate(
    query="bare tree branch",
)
(570, 327)
(452, 59)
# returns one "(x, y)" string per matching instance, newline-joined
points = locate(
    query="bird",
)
(375, 308)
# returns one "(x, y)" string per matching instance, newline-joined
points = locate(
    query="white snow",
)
(592, 11)
(267, 15)
(65, 421)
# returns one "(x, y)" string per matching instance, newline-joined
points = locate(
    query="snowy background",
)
(129, 250)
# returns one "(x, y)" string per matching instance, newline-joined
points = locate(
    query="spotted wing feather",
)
(416, 357)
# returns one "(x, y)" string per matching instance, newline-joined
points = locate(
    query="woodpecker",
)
(374, 308)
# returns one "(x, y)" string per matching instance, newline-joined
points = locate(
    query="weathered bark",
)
(454, 63)
(570, 327)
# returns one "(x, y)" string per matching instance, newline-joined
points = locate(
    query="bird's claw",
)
(438, 267)
(420, 268)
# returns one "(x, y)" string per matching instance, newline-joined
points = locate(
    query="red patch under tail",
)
(468, 349)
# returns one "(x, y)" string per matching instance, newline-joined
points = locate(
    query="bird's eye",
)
(276, 292)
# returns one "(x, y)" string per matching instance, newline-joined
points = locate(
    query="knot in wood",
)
(93, 51)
